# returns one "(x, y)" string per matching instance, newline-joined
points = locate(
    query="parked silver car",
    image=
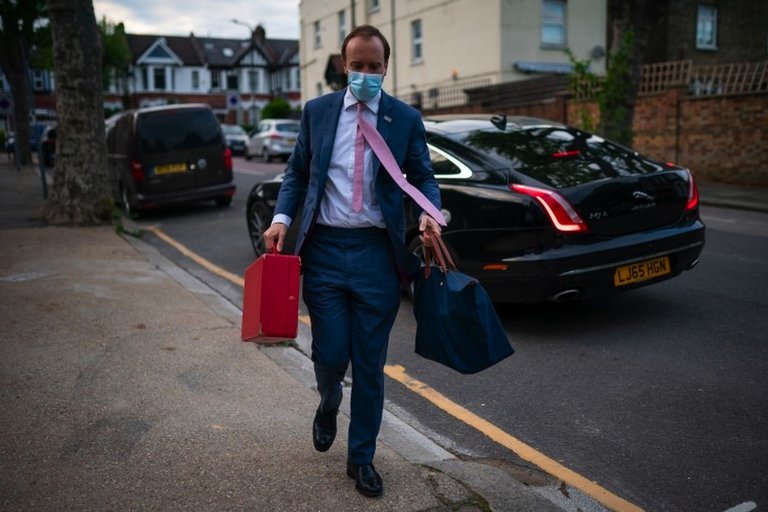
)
(273, 138)
(237, 139)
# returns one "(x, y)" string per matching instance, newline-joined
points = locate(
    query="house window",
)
(706, 27)
(416, 54)
(159, 76)
(195, 79)
(232, 81)
(553, 23)
(316, 29)
(374, 5)
(253, 80)
(144, 79)
(342, 26)
(38, 82)
(215, 79)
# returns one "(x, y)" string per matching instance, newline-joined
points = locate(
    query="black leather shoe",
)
(324, 430)
(367, 480)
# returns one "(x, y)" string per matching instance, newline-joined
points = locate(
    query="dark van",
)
(163, 155)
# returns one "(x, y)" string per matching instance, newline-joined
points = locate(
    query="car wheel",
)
(258, 221)
(223, 201)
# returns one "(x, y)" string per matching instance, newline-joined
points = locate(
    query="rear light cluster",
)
(137, 171)
(228, 159)
(560, 212)
(693, 193)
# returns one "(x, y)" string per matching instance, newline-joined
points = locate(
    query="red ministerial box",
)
(271, 299)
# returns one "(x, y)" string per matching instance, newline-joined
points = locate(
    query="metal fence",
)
(450, 95)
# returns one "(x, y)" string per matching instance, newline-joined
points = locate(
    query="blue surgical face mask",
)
(365, 86)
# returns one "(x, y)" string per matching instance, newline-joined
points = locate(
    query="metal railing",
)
(450, 95)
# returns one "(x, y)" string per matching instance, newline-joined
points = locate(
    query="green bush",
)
(278, 108)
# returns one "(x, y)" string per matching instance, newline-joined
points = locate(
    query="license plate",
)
(170, 168)
(290, 141)
(638, 272)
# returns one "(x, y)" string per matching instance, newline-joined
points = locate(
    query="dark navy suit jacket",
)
(401, 127)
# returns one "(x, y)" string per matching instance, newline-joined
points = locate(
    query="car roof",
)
(184, 106)
(461, 123)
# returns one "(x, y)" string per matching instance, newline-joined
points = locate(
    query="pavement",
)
(124, 385)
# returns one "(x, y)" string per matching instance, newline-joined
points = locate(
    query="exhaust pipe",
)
(692, 264)
(566, 295)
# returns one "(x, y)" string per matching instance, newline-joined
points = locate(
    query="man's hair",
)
(366, 32)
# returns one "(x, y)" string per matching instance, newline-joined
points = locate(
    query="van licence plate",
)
(170, 168)
(637, 272)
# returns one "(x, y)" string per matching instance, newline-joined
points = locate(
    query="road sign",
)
(6, 103)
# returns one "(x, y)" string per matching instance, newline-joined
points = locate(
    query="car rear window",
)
(559, 156)
(288, 127)
(178, 130)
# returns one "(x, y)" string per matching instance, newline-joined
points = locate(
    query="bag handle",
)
(438, 251)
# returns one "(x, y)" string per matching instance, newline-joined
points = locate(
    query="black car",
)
(539, 211)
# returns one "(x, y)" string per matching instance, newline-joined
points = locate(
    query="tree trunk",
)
(81, 193)
(13, 57)
(637, 17)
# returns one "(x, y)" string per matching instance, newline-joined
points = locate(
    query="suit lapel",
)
(328, 132)
(383, 125)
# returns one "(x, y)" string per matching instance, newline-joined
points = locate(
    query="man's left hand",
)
(428, 228)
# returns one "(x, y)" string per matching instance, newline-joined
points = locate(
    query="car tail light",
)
(693, 193)
(137, 171)
(560, 212)
(228, 159)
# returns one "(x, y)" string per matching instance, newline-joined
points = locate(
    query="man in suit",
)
(351, 240)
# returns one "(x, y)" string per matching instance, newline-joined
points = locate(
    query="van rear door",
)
(178, 148)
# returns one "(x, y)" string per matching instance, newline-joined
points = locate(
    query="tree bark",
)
(638, 17)
(81, 193)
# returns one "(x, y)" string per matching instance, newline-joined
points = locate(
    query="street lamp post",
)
(252, 31)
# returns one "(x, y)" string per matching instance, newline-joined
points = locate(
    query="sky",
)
(280, 18)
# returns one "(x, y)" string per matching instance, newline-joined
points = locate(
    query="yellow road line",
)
(523, 450)
(229, 276)
(397, 373)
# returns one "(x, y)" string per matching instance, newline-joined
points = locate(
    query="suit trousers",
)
(352, 292)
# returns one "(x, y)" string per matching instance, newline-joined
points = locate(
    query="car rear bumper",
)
(145, 201)
(583, 271)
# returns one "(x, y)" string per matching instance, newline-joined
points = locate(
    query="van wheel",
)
(223, 201)
(248, 155)
(267, 156)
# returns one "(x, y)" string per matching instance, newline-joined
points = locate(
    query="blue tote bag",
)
(456, 324)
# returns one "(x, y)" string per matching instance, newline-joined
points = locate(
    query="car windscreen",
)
(232, 129)
(287, 127)
(556, 155)
(177, 130)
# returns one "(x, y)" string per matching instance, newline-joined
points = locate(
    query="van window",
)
(123, 135)
(177, 130)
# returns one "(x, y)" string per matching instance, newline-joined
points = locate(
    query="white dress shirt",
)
(336, 204)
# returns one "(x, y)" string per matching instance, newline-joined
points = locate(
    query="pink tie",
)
(384, 154)
(357, 177)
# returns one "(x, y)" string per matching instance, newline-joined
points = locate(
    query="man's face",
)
(365, 55)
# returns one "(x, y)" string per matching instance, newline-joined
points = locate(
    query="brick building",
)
(711, 32)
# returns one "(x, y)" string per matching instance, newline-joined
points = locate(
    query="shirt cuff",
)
(282, 219)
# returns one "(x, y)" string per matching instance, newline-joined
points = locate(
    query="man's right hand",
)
(275, 235)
